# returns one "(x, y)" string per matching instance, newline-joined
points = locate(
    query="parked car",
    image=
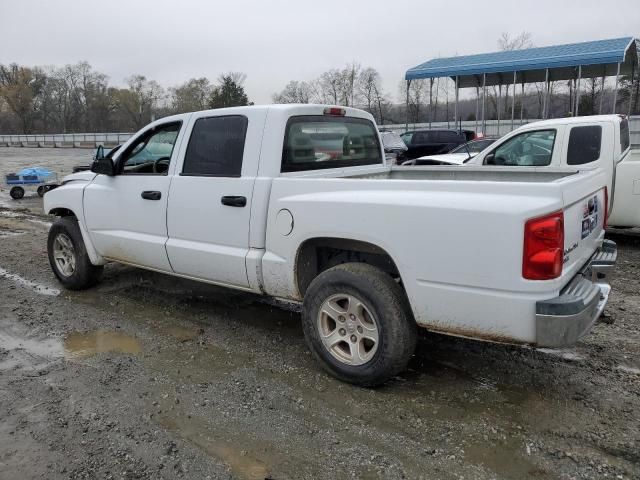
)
(577, 144)
(458, 156)
(393, 145)
(248, 198)
(432, 142)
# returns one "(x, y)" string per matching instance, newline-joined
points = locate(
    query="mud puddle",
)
(23, 282)
(239, 459)
(20, 350)
(83, 345)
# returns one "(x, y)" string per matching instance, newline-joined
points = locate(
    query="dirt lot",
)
(148, 376)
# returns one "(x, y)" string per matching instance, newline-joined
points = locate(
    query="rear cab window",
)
(625, 140)
(315, 142)
(584, 144)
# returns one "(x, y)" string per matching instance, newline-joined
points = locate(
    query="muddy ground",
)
(148, 376)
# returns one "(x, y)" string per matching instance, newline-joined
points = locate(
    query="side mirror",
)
(490, 159)
(103, 166)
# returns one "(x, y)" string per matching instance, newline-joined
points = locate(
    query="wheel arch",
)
(62, 212)
(318, 254)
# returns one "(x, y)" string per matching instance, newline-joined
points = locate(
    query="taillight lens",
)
(543, 247)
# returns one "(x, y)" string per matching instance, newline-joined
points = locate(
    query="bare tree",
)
(139, 100)
(20, 88)
(192, 95)
(417, 90)
(507, 42)
(294, 92)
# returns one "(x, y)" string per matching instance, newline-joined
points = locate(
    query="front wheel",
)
(358, 324)
(68, 256)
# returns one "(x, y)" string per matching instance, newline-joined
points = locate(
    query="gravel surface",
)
(153, 377)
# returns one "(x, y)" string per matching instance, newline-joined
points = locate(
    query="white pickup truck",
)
(580, 143)
(297, 202)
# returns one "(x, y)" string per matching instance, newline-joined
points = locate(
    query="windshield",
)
(318, 142)
(473, 147)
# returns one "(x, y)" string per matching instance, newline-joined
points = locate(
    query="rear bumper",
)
(562, 320)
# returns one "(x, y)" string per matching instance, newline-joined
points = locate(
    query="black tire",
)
(85, 274)
(388, 304)
(42, 189)
(16, 193)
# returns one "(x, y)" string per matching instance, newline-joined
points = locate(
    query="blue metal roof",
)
(597, 52)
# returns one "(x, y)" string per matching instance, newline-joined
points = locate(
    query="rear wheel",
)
(68, 256)
(358, 323)
(42, 189)
(16, 193)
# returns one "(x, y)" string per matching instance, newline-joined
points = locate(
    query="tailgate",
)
(583, 230)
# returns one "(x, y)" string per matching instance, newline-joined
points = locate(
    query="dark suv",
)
(433, 142)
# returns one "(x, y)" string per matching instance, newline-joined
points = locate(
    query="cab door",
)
(126, 213)
(211, 196)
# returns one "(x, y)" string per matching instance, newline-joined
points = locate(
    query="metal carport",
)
(600, 58)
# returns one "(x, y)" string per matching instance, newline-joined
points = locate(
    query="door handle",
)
(234, 201)
(151, 195)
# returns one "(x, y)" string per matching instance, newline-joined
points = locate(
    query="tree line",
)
(77, 98)
(351, 86)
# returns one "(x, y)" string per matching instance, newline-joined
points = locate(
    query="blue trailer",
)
(41, 178)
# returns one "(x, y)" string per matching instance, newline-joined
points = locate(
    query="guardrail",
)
(64, 140)
(492, 126)
(93, 140)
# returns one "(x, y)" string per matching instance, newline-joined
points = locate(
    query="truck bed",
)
(476, 174)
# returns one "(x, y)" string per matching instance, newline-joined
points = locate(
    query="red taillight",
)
(340, 112)
(606, 207)
(543, 247)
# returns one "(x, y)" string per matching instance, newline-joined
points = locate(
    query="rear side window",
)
(584, 145)
(625, 141)
(315, 142)
(448, 137)
(216, 147)
(420, 138)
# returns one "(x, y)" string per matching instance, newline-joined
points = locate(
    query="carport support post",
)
(477, 106)
(513, 101)
(430, 102)
(577, 107)
(604, 72)
(522, 101)
(406, 123)
(615, 89)
(484, 94)
(546, 94)
(499, 104)
(455, 108)
(633, 68)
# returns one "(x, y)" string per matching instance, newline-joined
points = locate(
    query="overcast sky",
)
(274, 41)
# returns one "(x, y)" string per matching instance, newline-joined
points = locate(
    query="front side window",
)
(314, 142)
(216, 147)
(529, 149)
(151, 153)
(584, 145)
